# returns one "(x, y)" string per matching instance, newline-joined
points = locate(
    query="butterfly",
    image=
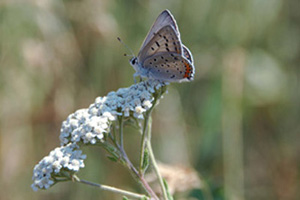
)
(162, 55)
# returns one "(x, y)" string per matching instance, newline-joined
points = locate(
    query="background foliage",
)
(240, 116)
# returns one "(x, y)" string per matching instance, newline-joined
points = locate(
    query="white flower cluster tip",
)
(90, 125)
(67, 158)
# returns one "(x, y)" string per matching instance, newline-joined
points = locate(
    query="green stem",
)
(121, 132)
(146, 141)
(143, 142)
(113, 139)
(111, 189)
(124, 159)
(140, 178)
(114, 152)
(152, 158)
(144, 133)
(113, 133)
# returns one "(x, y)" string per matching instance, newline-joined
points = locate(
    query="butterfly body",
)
(162, 55)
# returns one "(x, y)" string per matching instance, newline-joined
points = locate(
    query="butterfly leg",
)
(134, 77)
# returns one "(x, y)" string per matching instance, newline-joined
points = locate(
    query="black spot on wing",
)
(157, 43)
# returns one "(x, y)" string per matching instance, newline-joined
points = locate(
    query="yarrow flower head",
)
(81, 126)
(90, 125)
(61, 161)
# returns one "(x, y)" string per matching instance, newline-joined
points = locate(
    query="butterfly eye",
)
(133, 61)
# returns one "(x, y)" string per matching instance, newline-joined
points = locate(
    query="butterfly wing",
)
(165, 40)
(187, 54)
(171, 67)
(165, 18)
(162, 55)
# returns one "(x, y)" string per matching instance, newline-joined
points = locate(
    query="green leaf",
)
(114, 159)
(145, 164)
(111, 149)
(168, 192)
(125, 198)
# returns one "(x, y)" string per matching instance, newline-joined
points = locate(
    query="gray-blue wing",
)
(165, 40)
(187, 54)
(171, 67)
(165, 18)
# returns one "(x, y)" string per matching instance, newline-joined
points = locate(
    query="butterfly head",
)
(134, 62)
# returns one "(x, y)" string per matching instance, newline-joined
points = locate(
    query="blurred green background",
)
(237, 123)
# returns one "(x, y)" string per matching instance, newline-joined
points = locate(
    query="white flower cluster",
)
(90, 125)
(81, 126)
(67, 158)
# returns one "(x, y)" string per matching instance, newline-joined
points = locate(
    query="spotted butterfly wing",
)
(169, 67)
(162, 55)
(164, 19)
(187, 54)
(164, 40)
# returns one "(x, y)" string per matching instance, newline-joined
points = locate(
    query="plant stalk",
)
(152, 158)
(111, 189)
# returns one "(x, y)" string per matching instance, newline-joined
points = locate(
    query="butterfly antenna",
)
(132, 54)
